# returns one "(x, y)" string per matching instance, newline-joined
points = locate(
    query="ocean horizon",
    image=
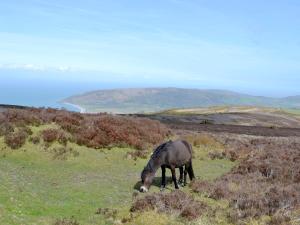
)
(37, 93)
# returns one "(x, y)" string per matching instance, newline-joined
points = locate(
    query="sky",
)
(250, 46)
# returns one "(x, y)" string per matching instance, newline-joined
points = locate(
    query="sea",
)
(39, 93)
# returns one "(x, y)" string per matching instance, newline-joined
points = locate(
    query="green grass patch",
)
(36, 189)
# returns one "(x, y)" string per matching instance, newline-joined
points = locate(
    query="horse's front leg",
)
(174, 177)
(163, 178)
(181, 176)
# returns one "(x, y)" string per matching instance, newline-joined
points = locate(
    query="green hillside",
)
(157, 99)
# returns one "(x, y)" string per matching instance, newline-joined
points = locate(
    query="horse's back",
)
(181, 146)
(179, 151)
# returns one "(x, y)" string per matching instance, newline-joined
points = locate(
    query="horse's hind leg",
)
(163, 177)
(191, 171)
(185, 175)
(174, 177)
(181, 176)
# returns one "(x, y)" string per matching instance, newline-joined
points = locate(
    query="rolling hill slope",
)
(156, 99)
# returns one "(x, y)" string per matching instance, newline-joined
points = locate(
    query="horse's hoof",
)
(176, 187)
(162, 188)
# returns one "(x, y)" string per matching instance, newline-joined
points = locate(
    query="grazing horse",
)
(172, 154)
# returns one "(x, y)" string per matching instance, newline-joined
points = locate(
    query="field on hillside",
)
(64, 168)
(238, 115)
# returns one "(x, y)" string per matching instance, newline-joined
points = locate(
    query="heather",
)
(264, 183)
(91, 130)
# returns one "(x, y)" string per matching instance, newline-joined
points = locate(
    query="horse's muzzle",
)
(143, 189)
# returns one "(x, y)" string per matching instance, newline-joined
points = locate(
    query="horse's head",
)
(147, 178)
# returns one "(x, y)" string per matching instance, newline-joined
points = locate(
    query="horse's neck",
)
(154, 165)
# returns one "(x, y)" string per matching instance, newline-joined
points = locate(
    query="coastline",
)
(81, 109)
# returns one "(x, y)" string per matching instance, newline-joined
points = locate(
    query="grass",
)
(35, 189)
(292, 111)
(218, 109)
(231, 109)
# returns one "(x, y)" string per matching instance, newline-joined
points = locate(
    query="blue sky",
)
(251, 46)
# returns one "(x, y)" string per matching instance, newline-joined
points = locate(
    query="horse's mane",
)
(155, 154)
(159, 149)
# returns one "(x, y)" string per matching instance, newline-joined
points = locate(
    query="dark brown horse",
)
(172, 154)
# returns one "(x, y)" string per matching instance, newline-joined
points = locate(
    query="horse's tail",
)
(191, 171)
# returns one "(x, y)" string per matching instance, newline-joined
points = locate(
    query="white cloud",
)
(35, 67)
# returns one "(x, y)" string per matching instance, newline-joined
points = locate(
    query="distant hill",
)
(135, 100)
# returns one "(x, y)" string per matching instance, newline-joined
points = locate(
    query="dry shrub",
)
(108, 131)
(217, 190)
(266, 181)
(27, 130)
(6, 128)
(231, 155)
(220, 190)
(201, 186)
(176, 202)
(275, 162)
(70, 122)
(22, 117)
(62, 138)
(16, 139)
(92, 130)
(279, 219)
(50, 135)
(254, 203)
